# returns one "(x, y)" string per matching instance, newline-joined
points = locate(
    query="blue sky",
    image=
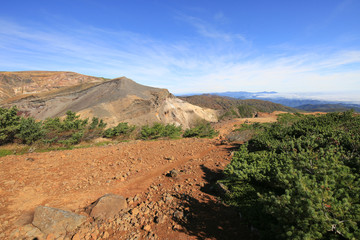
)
(190, 45)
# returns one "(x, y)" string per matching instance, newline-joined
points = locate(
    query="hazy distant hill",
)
(305, 104)
(269, 96)
(231, 107)
(244, 95)
(329, 107)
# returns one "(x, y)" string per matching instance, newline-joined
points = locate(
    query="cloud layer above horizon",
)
(208, 59)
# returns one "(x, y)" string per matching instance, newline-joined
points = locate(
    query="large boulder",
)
(107, 206)
(56, 221)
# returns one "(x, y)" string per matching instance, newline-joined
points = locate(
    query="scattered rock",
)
(50, 237)
(76, 237)
(171, 158)
(160, 219)
(56, 221)
(173, 173)
(147, 228)
(105, 235)
(168, 198)
(134, 211)
(107, 206)
(178, 215)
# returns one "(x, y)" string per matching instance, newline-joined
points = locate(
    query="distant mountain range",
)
(305, 104)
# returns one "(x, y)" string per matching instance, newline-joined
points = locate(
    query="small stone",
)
(50, 237)
(168, 199)
(176, 227)
(178, 214)
(160, 219)
(134, 211)
(107, 207)
(147, 228)
(76, 237)
(174, 173)
(105, 235)
(95, 234)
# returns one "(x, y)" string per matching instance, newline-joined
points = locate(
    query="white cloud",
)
(227, 63)
(208, 31)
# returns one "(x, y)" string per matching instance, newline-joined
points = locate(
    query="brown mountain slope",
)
(114, 101)
(24, 82)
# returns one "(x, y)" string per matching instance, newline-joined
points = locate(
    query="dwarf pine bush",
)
(300, 180)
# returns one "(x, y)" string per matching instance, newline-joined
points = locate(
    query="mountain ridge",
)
(28, 82)
(232, 107)
(116, 100)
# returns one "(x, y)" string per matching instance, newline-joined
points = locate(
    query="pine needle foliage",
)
(159, 130)
(202, 129)
(300, 180)
(122, 129)
(9, 124)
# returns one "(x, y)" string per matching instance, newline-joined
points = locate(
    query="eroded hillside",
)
(27, 82)
(114, 101)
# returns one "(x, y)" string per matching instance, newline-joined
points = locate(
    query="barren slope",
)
(113, 101)
(25, 82)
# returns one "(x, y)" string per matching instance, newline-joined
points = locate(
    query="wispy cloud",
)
(227, 63)
(207, 30)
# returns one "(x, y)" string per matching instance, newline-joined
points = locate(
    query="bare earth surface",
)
(183, 206)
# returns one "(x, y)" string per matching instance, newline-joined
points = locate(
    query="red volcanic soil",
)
(181, 206)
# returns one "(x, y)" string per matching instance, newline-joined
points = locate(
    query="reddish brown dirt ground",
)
(73, 179)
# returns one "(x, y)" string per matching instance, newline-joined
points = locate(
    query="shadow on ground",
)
(209, 218)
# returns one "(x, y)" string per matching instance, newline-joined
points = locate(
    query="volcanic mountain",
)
(114, 101)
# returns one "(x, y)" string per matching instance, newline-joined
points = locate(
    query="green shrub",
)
(75, 138)
(300, 180)
(9, 124)
(229, 114)
(172, 131)
(201, 130)
(70, 130)
(96, 124)
(246, 111)
(5, 152)
(73, 122)
(289, 119)
(121, 129)
(30, 130)
(160, 130)
(52, 124)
